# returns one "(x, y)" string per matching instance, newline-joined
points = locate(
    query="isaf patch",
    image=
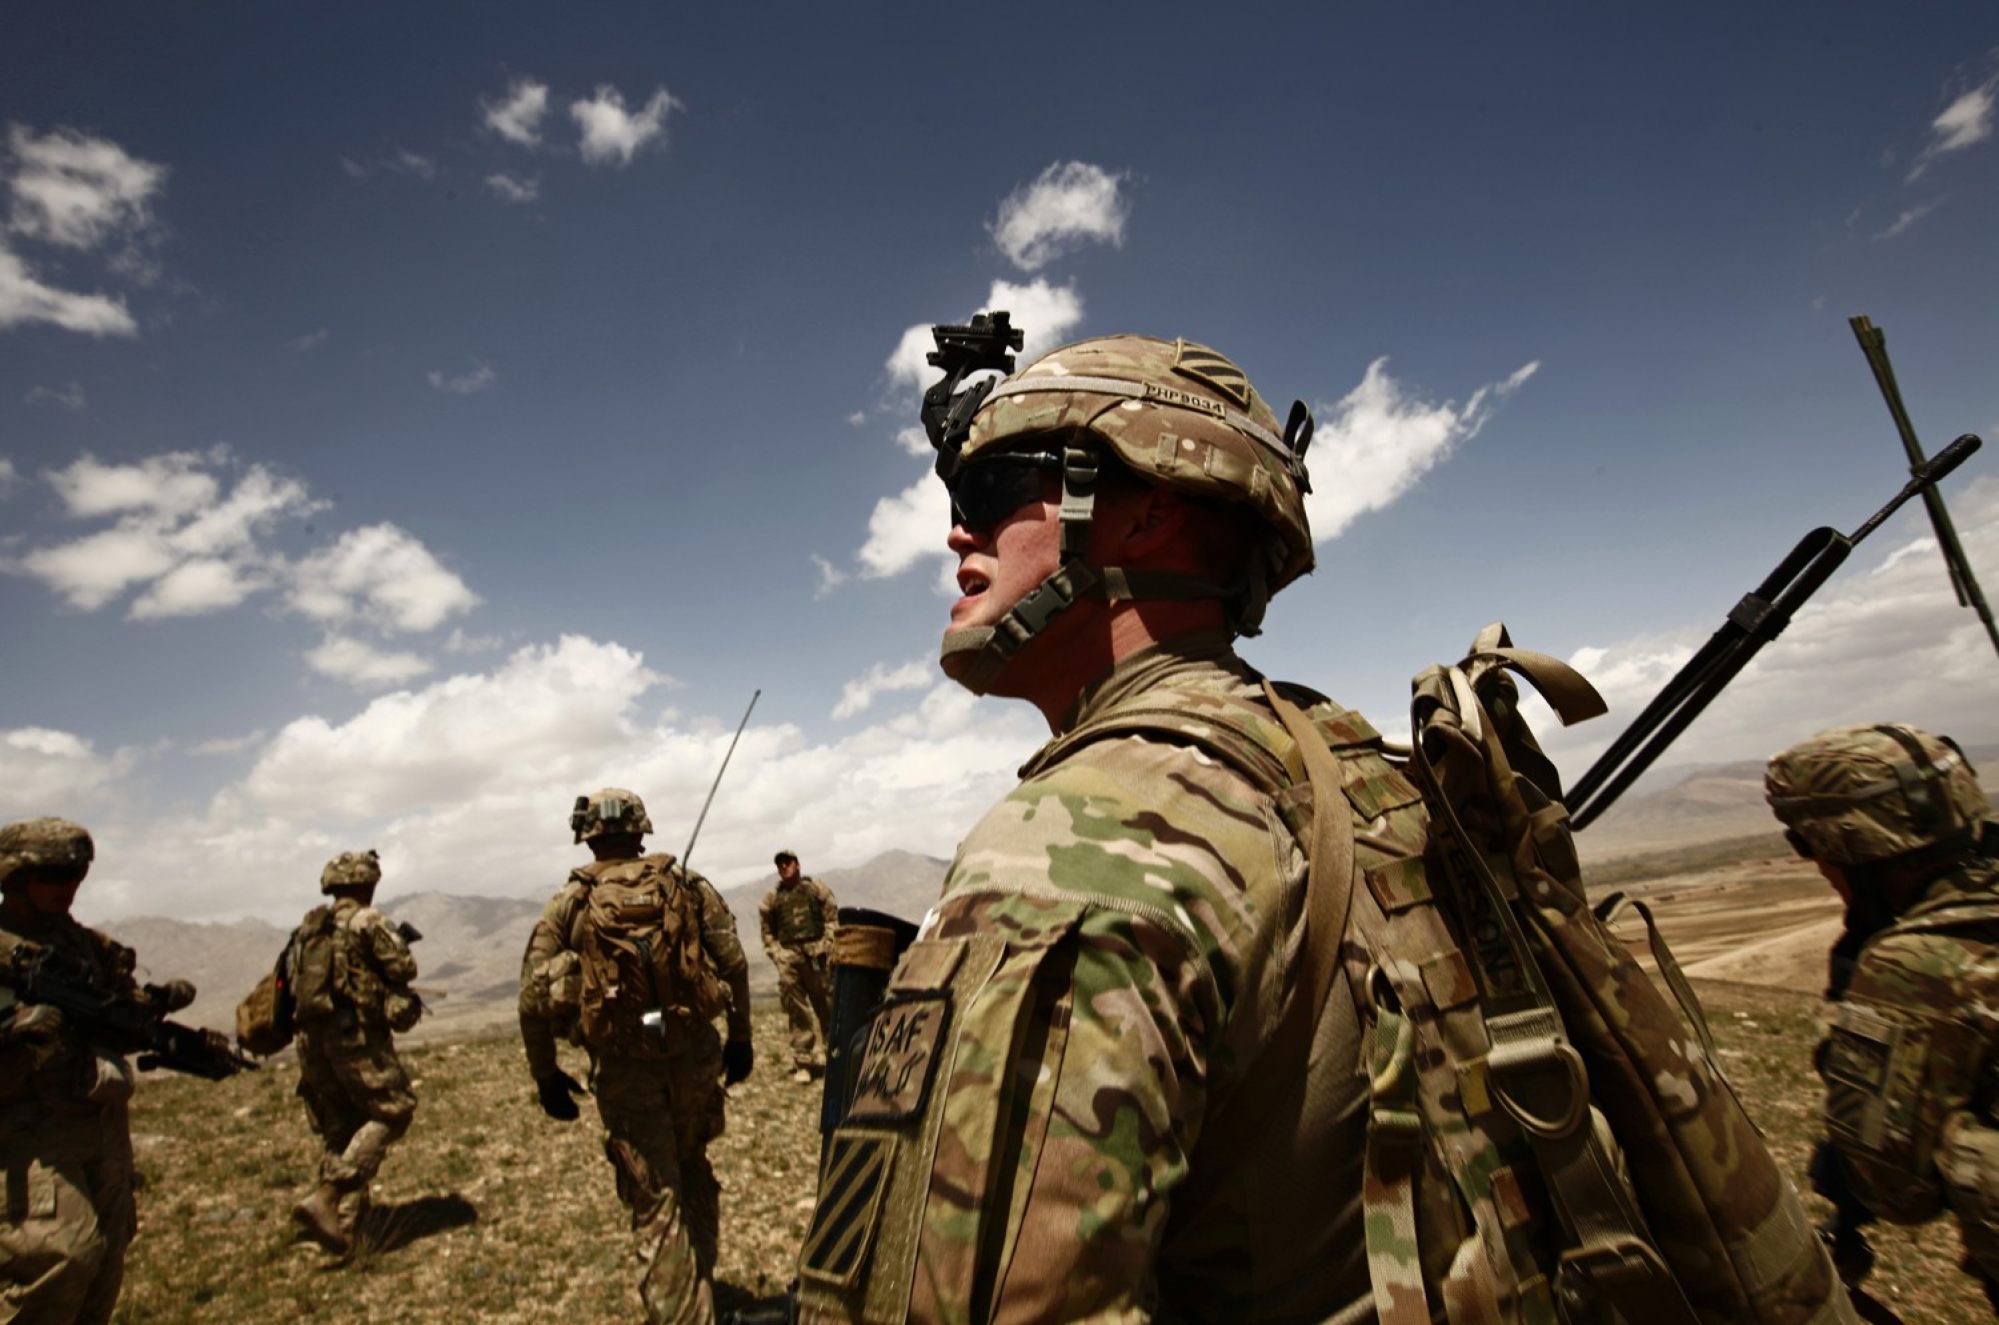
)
(850, 1198)
(1212, 367)
(899, 1061)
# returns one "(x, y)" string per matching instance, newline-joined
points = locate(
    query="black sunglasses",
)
(987, 491)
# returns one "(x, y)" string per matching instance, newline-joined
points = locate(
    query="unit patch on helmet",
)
(1215, 369)
(850, 1196)
(900, 1058)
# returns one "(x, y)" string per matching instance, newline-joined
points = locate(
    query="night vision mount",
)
(985, 344)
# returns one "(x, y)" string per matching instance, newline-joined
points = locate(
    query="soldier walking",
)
(633, 959)
(797, 919)
(349, 970)
(1895, 820)
(65, 1142)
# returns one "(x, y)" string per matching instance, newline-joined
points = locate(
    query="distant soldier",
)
(65, 1142)
(633, 959)
(797, 918)
(1896, 821)
(350, 970)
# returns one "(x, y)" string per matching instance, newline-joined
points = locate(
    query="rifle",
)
(1759, 618)
(40, 975)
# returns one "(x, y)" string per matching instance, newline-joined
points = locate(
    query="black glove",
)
(738, 1057)
(557, 1091)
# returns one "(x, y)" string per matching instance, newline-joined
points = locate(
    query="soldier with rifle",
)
(70, 1012)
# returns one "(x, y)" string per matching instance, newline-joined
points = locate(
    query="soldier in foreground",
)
(350, 969)
(1147, 1056)
(1896, 821)
(65, 1142)
(633, 959)
(797, 919)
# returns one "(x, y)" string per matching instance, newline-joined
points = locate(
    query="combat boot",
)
(318, 1217)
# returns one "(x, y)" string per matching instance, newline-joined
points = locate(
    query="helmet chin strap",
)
(987, 650)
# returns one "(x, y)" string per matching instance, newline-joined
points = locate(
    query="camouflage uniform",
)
(65, 1143)
(357, 1096)
(660, 1099)
(797, 919)
(1911, 1056)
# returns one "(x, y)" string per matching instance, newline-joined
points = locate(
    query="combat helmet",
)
(1172, 412)
(1857, 796)
(611, 810)
(56, 845)
(351, 869)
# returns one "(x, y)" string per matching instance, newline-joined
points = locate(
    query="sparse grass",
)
(489, 1211)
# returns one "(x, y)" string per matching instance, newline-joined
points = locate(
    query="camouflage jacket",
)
(797, 915)
(63, 1077)
(1045, 1125)
(547, 1014)
(1911, 1058)
(371, 960)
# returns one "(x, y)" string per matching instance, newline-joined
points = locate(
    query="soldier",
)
(1121, 1072)
(797, 919)
(633, 959)
(350, 970)
(65, 1142)
(1895, 820)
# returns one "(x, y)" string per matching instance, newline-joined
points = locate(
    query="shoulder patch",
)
(850, 1197)
(1860, 1047)
(899, 1061)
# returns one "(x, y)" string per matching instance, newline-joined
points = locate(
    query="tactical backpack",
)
(1565, 1129)
(315, 960)
(640, 945)
(265, 1019)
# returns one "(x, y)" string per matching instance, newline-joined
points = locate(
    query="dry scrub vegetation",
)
(489, 1211)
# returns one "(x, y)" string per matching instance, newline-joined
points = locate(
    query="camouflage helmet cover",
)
(611, 810)
(1173, 412)
(46, 844)
(351, 869)
(1858, 795)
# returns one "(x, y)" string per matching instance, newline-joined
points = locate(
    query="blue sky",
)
(412, 416)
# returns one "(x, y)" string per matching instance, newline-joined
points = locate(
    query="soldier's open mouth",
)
(972, 584)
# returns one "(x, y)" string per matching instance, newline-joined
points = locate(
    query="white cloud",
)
(613, 135)
(471, 382)
(25, 300)
(1965, 122)
(1908, 218)
(913, 439)
(831, 577)
(1377, 441)
(906, 528)
(383, 575)
(458, 801)
(858, 695)
(857, 418)
(93, 570)
(460, 642)
(311, 340)
(352, 168)
(173, 485)
(196, 588)
(1045, 314)
(360, 663)
(517, 116)
(69, 396)
(8, 475)
(1068, 203)
(1884, 641)
(77, 191)
(44, 771)
(406, 162)
(509, 188)
(228, 745)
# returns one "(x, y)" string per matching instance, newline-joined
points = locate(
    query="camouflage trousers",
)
(659, 1116)
(807, 998)
(69, 1217)
(359, 1101)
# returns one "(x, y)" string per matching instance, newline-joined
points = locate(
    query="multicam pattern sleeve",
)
(385, 946)
(725, 949)
(1039, 1080)
(540, 1027)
